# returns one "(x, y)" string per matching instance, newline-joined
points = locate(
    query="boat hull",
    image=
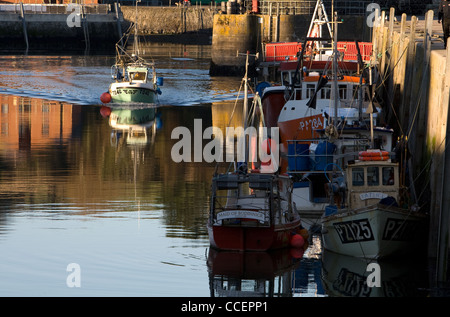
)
(374, 232)
(236, 238)
(132, 94)
(272, 103)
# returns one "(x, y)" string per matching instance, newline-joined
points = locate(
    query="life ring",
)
(373, 158)
(373, 155)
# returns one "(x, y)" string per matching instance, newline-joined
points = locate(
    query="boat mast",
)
(245, 110)
(335, 63)
(136, 44)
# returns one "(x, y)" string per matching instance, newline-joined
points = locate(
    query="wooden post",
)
(383, 43)
(391, 25)
(444, 219)
(270, 23)
(409, 74)
(24, 24)
(423, 94)
(375, 31)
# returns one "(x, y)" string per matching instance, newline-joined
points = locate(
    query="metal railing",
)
(306, 7)
(53, 8)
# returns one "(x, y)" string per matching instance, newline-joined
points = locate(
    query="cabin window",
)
(137, 76)
(373, 179)
(342, 91)
(310, 88)
(358, 176)
(285, 80)
(388, 176)
(298, 94)
(326, 92)
(296, 82)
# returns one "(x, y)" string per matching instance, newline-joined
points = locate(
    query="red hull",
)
(251, 238)
(272, 104)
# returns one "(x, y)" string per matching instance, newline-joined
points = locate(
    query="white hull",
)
(373, 232)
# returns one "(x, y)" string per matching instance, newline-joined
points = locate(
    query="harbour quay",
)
(60, 27)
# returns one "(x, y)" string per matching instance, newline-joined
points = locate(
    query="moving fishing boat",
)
(135, 79)
(135, 82)
(251, 209)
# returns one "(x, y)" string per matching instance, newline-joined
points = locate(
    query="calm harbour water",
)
(73, 191)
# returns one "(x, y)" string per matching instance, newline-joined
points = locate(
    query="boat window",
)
(342, 91)
(310, 88)
(296, 82)
(388, 176)
(373, 179)
(298, 94)
(137, 76)
(285, 80)
(326, 92)
(358, 176)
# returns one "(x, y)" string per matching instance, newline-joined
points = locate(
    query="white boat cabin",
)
(251, 199)
(138, 74)
(370, 181)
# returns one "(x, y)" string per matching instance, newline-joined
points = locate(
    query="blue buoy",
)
(160, 81)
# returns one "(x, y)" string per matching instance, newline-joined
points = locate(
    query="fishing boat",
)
(251, 209)
(373, 222)
(301, 65)
(135, 82)
(135, 79)
(350, 172)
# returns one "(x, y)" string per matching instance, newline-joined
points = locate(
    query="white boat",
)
(369, 221)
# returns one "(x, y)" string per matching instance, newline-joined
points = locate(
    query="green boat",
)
(135, 78)
(137, 85)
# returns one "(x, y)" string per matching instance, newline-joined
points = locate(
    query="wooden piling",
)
(444, 219)
(416, 81)
(24, 25)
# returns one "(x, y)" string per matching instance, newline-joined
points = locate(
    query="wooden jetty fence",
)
(415, 87)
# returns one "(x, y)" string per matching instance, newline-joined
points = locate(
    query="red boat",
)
(252, 212)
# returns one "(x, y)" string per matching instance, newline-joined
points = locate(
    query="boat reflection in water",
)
(137, 124)
(252, 274)
(347, 276)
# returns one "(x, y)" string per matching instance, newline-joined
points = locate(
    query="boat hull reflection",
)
(347, 276)
(252, 274)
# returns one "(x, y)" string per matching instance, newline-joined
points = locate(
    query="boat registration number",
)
(130, 92)
(354, 231)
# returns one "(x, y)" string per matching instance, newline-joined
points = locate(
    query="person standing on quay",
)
(444, 15)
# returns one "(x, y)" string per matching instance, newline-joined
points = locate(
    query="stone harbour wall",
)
(171, 20)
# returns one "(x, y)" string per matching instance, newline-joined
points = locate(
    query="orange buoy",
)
(105, 111)
(304, 233)
(105, 97)
(296, 253)
(297, 241)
